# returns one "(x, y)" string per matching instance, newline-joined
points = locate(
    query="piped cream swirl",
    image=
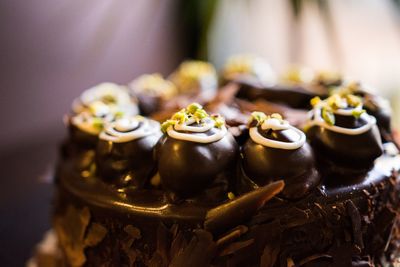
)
(193, 124)
(281, 125)
(90, 123)
(129, 128)
(315, 119)
(113, 95)
(173, 131)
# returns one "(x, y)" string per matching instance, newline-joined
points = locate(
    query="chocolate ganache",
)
(186, 193)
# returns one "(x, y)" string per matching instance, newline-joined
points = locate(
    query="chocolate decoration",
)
(204, 206)
(321, 229)
(264, 165)
(295, 96)
(242, 208)
(82, 138)
(187, 168)
(349, 150)
(131, 163)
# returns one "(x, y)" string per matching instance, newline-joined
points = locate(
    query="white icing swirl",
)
(129, 128)
(315, 119)
(89, 123)
(115, 96)
(276, 124)
(207, 124)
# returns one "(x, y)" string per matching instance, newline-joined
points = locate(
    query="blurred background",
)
(50, 51)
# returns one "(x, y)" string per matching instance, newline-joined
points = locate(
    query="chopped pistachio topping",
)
(190, 75)
(260, 117)
(193, 111)
(231, 195)
(181, 116)
(219, 121)
(339, 100)
(119, 114)
(350, 88)
(154, 84)
(328, 116)
(276, 116)
(357, 113)
(109, 99)
(97, 123)
(315, 101)
(192, 108)
(166, 124)
(353, 100)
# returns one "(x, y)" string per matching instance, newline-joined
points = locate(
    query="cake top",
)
(190, 152)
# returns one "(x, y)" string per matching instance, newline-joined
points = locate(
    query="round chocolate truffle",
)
(341, 130)
(125, 150)
(95, 107)
(195, 77)
(276, 150)
(248, 67)
(195, 151)
(152, 90)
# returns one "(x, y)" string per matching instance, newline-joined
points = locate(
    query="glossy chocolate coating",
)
(294, 96)
(82, 138)
(374, 106)
(351, 150)
(265, 164)
(187, 168)
(116, 161)
(148, 104)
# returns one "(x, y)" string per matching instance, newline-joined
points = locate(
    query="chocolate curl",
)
(240, 209)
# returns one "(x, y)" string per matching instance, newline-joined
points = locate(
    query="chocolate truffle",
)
(341, 130)
(195, 77)
(152, 90)
(276, 150)
(196, 150)
(125, 150)
(248, 67)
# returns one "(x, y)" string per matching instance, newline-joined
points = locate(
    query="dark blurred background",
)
(50, 51)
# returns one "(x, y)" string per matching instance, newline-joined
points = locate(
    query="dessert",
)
(318, 186)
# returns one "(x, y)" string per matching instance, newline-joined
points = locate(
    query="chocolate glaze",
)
(82, 138)
(333, 226)
(187, 168)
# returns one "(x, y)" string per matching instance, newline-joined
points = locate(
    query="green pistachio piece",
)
(357, 113)
(328, 116)
(192, 108)
(166, 124)
(258, 116)
(315, 101)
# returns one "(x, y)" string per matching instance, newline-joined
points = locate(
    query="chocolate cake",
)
(254, 172)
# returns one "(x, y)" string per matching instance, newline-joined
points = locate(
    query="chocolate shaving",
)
(232, 235)
(313, 258)
(355, 217)
(241, 208)
(198, 253)
(269, 256)
(236, 246)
